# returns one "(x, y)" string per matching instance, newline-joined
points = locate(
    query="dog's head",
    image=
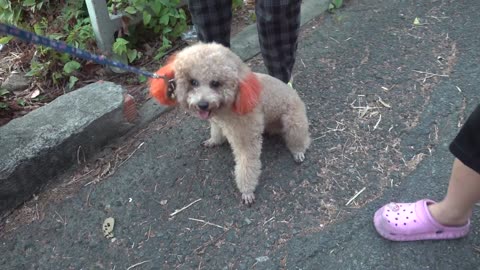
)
(211, 78)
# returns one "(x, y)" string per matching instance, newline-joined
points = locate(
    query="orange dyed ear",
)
(159, 87)
(248, 94)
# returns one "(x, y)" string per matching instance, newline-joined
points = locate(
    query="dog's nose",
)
(202, 105)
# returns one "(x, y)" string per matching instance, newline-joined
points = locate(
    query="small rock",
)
(248, 221)
(16, 82)
(262, 259)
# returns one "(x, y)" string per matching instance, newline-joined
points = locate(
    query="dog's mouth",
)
(204, 114)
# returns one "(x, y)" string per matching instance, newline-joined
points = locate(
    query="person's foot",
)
(413, 221)
(447, 217)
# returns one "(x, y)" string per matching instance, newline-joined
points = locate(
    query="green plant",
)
(163, 17)
(68, 21)
(335, 4)
(72, 26)
(237, 3)
(3, 93)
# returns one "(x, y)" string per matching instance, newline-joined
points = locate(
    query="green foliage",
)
(3, 93)
(72, 26)
(68, 21)
(71, 66)
(335, 4)
(237, 3)
(163, 17)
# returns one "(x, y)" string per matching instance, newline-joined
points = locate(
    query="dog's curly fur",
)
(208, 78)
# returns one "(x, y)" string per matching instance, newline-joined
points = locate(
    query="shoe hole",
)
(439, 232)
(406, 217)
(388, 221)
(414, 220)
(396, 224)
(387, 215)
(411, 212)
(405, 224)
(388, 210)
(398, 214)
(404, 210)
(396, 218)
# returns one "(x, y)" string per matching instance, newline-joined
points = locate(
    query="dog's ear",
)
(248, 94)
(159, 87)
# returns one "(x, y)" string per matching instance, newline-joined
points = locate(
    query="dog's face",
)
(207, 78)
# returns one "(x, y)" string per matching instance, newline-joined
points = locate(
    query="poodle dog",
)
(214, 84)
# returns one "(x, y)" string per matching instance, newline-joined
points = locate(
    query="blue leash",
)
(63, 47)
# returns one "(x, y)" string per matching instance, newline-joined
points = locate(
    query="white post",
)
(104, 26)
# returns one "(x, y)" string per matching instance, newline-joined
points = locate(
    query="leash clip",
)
(171, 89)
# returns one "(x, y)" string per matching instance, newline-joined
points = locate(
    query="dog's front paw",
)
(299, 157)
(248, 198)
(212, 143)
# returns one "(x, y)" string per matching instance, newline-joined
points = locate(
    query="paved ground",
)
(369, 53)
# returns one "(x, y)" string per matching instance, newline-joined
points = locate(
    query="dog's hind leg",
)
(295, 132)
(216, 136)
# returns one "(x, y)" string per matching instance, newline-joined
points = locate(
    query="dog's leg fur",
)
(246, 143)
(216, 136)
(297, 137)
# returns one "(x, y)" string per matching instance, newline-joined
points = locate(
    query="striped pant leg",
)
(278, 24)
(212, 19)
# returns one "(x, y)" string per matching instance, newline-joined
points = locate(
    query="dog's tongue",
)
(204, 114)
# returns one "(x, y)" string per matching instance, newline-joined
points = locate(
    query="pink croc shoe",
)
(412, 221)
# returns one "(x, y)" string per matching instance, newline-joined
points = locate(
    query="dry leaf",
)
(35, 93)
(107, 227)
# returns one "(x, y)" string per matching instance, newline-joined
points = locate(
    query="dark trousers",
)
(466, 146)
(278, 24)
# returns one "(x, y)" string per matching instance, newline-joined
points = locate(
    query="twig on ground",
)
(430, 75)
(355, 196)
(201, 249)
(183, 208)
(61, 220)
(208, 223)
(301, 60)
(334, 40)
(138, 264)
(131, 154)
(272, 218)
(378, 122)
(384, 103)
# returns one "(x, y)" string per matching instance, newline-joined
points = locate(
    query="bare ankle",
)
(448, 216)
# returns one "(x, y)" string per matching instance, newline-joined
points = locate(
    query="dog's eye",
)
(194, 82)
(215, 84)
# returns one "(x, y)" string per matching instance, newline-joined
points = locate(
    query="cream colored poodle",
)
(214, 84)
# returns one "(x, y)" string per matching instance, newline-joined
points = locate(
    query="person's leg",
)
(463, 192)
(278, 24)
(449, 218)
(464, 187)
(212, 19)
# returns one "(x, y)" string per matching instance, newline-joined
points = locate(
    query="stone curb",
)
(50, 139)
